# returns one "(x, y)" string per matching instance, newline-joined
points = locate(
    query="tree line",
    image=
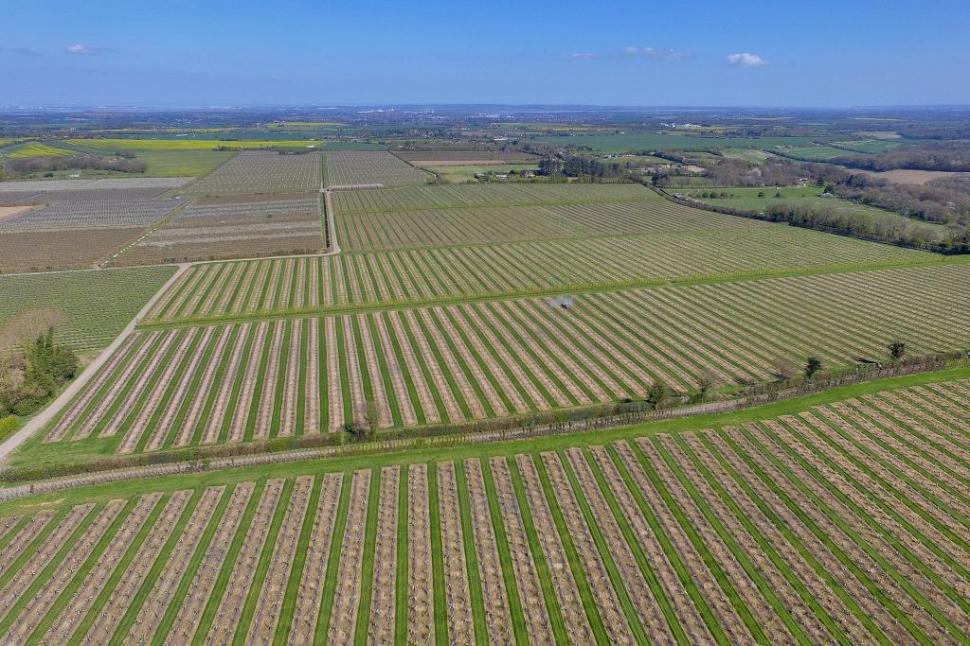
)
(34, 165)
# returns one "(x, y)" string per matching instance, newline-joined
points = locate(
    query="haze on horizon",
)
(296, 52)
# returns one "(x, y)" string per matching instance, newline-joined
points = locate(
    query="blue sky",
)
(744, 53)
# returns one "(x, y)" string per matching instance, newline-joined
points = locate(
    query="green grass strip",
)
(401, 590)
(615, 576)
(333, 561)
(823, 536)
(471, 556)
(367, 558)
(575, 564)
(299, 563)
(165, 625)
(266, 555)
(280, 385)
(505, 558)
(299, 428)
(259, 390)
(697, 541)
(229, 564)
(656, 587)
(48, 571)
(437, 563)
(737, 550)
(70, 590)
(817, 566)
(779, 562)
(538, 558)
(342, 350)
(700, 603)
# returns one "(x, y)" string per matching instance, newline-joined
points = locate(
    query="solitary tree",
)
(813, 365)
(657, 394)
(706, 380)
(897, 349)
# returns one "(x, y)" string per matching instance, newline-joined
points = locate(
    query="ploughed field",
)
(843, 523)
(264, 378)
(76, 224)
(228, 227)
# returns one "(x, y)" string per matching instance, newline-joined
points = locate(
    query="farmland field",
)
(35, 149)
(64, 249)
(629, 142)
(88, 209)
(44, 185)
(912, 177)
(416, 198)
(95, 305)
(216, 228)
(837, 522)
(457, 174)
(464, 157)
(394, 230)
(188, 386)
(193, 144)
(260, 172)
(747, 199)
(359, 167)
(741, 248)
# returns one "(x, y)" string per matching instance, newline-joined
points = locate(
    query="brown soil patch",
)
(71, 249)
(912, 177)
(11, 212)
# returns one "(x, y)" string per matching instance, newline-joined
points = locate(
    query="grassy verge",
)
(415, 454)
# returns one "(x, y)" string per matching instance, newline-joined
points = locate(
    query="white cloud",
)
(80, 49)
(745, 59)
(655, 53)
(630, 51)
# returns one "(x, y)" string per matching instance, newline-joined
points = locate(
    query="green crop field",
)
(36, 149)
(759, 200)
(457, 174)
(171, 388)
(193, 144)
(619, 143)
(93, 306)
(832, 520)
(813, 152)
(871, 146)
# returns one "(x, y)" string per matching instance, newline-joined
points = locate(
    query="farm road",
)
(41, 419)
